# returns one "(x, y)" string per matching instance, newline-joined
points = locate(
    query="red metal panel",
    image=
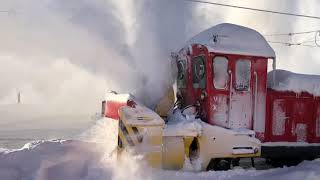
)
(216, 104)
(291, 117)
(112, 108)
(315, 131)
(280, 119)
(301, 127)
(218, 99)
(260, 67)
(192, 95)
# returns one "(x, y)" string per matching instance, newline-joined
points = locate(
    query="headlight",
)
(203, 95)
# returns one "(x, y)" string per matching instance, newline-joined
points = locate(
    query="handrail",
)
(230, 94)
(274, 67)
(255, 97)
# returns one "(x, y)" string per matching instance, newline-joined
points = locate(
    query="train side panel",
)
(292, 126)
(292, 117)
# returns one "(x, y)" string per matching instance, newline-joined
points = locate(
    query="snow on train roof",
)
(233, 39)
(289, 81)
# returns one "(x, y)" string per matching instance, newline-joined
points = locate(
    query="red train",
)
(224, 72)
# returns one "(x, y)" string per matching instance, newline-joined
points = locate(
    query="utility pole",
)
(19, 97)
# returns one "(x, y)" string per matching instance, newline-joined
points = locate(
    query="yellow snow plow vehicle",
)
(180, 139)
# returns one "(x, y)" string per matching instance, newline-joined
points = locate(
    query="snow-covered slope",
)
(91, 158)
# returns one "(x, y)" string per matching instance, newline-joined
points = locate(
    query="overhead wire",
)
(317, 32)
(316, 38)
(292, 33)
(302, 43)
(291, 44)
(253, 9)
(307, 41)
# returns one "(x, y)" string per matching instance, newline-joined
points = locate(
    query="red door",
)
(241, 101)
(218, 90)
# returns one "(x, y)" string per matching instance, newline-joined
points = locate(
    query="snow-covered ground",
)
(91, 157)
(22, 123)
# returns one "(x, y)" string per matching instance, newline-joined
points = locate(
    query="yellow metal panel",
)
(131, 134)
(173, 153)
(123, 138)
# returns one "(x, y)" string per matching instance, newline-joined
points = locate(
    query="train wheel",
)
(235, 162)
(219, 164)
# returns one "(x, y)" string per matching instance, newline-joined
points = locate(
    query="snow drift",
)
(91, 157)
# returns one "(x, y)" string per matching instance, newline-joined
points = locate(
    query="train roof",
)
(233, 39)
(298, 83)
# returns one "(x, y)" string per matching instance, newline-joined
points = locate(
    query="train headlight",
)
(203, 95)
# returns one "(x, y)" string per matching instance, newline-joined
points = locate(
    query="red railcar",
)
(223, 71)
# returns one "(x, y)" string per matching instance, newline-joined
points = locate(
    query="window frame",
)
(213, 72)
(185, 64)
(205, 71)
(236, 75)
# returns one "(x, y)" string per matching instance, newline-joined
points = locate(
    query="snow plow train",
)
(226, 107)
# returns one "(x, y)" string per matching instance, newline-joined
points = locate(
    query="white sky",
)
(67, 54)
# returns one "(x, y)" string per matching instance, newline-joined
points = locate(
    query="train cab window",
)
(243, 71)
(198, 72)
(220, 72)
(182, 73)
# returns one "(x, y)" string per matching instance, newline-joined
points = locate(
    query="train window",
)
(198, 72)
(182, 73)
(243, 71)
(220, 72)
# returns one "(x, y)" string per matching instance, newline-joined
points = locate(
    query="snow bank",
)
(49, 160)
(289, 81)
(94, 160)
(233, 39)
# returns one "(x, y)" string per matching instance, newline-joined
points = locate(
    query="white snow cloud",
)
(68, 53)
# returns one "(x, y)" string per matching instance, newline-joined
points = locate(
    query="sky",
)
(65, 55)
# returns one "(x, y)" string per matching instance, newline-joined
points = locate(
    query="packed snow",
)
(180, 124)
(234, 39)
(298, 83)
(92, 157)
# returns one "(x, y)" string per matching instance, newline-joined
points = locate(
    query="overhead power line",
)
(316, 38)
(253, 9)
(291, 44)
(291, 34)
(313, 40)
